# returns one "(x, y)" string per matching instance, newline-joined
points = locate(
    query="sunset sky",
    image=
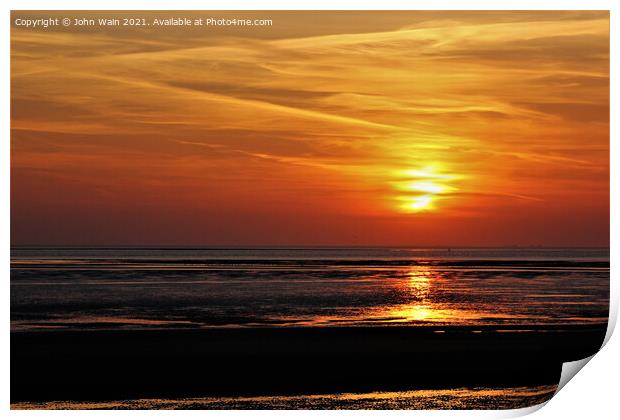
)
(327, 128)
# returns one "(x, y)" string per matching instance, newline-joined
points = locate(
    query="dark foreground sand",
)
(254, 363)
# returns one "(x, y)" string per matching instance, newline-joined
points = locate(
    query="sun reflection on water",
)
(418, 287)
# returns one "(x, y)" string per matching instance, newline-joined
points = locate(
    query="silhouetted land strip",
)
(103, 365)
(471, 263)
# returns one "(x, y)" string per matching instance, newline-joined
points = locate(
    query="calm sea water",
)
(129, 288)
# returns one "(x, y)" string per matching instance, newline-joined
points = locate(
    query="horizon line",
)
(300, 246)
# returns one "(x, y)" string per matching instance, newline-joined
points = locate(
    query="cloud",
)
(494, 97)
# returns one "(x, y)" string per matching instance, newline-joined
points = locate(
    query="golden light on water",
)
(418, 287)
(419, 282)
(423, 187)
(424, 308)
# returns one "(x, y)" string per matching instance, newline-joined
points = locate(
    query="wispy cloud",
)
(499, 98)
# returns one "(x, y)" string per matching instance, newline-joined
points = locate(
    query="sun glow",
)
(416, 203)
(424, 186)
(427, 186)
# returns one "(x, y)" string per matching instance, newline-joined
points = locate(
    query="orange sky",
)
(328, 128)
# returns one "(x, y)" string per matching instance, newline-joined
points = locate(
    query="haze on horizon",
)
(327, 128)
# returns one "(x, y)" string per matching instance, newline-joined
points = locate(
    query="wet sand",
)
(98, 366)
(445, 399)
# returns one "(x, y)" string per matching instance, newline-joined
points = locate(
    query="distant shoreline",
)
(298, 247)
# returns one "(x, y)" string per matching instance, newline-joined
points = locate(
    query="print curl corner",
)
(570, 369)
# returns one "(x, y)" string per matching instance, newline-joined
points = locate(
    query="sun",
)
(420, 189)
(417, 203)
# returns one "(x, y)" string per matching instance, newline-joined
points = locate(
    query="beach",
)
(452, 399)
(299, 331)
(128, 365)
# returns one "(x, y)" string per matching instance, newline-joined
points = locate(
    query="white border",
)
(309, 5)
(592, 394)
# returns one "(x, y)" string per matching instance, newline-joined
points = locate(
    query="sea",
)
(145, 288)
